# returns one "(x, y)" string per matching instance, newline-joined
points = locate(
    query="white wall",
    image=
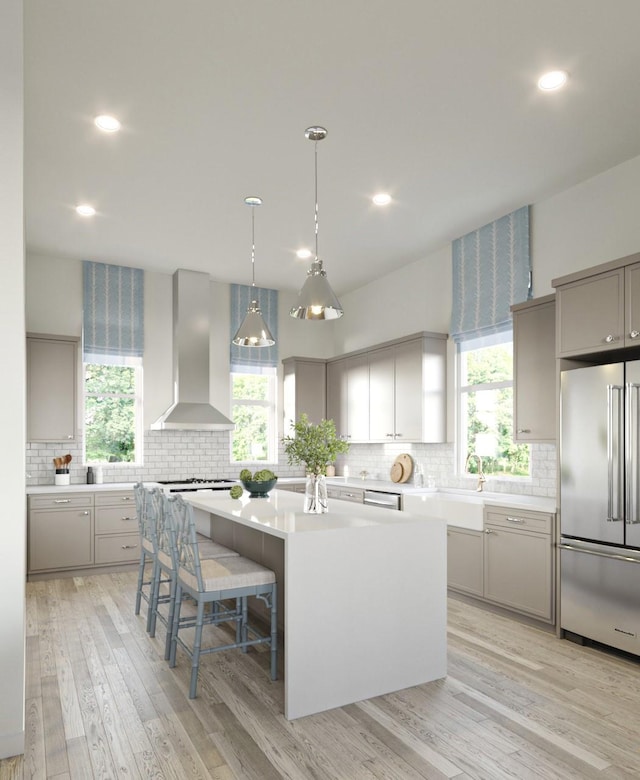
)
(12, 408)
(589, 224)
(411, 299)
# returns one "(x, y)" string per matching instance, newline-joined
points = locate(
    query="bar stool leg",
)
(195, 658)
(274, 633)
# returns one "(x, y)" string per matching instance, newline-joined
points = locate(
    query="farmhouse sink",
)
(459, 509)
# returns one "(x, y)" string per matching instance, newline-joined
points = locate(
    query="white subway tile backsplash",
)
(176, 454)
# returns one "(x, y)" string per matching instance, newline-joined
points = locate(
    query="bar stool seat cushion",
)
(229, 573)
(207, 549)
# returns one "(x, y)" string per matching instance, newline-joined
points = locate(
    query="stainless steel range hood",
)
(191, 409)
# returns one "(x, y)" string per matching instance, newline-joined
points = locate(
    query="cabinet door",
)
(408, 391)
(337, 398)
(381, 394)
(51, 389)
(358, 398)
(590, 314)
(517, 570)
(464, 560)
(632, 305)
(62, 539)
(534, 373)
(305, 389)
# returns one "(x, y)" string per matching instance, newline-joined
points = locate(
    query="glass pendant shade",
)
(253, 332)
(317, 301)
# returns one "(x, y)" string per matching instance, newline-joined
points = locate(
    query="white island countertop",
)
(281, 514)
(364, 592)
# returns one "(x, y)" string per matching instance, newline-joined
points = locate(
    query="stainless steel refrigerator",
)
(600, 504)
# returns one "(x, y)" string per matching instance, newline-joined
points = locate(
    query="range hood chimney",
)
(191, 409)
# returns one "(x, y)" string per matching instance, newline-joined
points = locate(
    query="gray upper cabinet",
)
(534, 370)
(348, 396)
(337, 395)
(304, 383)
(52, 388)
(407, 389)
(394, 392)
(598, 310)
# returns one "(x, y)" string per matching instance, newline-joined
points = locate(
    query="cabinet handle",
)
(126, 498)
(396, 435)
(611, 338)
(127, 518)
(515, 519)
(523, 430)
(488, 531)
(69, 436)
(129, 546)
(389, 436)
(61, 500)
(85, 512)
(634, 334)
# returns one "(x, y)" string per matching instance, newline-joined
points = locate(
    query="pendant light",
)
(254, 331)
(316, 301)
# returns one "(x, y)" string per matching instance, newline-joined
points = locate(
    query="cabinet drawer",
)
(115, 498)
(516, 518)
(116, 519)
(61, 501)
(119, 548)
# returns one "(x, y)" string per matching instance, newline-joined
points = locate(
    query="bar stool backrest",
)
(146, 515)
(186, 540)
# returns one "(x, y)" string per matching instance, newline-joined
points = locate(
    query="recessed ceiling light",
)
(554, 79)
(85, 210)
(381, 199)
(303, 254)
(106, 123)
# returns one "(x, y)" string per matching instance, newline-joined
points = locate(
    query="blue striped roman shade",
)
(113, 317)
(491, 271)
(253, 360)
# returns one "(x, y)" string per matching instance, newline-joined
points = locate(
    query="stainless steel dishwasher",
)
(384, 500)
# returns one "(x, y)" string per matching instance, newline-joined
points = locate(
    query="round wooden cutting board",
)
(406, 461)
(397, 472)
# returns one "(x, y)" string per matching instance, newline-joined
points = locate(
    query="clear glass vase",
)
(315, 494)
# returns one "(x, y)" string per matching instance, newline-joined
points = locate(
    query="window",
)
(485, 371)
(113, 413)
(253, 401)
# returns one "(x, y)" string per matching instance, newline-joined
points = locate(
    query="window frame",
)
(461, 438)
(271, 404)
(138, 432)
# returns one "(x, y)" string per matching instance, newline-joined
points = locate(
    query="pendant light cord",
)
(253, 246)
(316, 194)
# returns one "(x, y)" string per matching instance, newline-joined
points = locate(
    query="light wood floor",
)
(517, 703)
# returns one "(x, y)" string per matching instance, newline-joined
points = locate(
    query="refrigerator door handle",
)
(632, 455)
(615, 556)
(614, 456)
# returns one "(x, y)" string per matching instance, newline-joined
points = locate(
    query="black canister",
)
(90, 476)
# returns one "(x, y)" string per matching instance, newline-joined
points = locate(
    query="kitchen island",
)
(364, 593)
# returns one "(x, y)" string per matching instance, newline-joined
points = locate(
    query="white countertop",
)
(281, 514)
(82, 488)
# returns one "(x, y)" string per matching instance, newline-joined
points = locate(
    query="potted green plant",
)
(315, 446)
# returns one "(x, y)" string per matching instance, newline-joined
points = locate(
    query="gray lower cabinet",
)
(69, 531)
(354, 495)
(116, 528)
(510, 563)
(464, 560)
(60, 532)
(518, 561)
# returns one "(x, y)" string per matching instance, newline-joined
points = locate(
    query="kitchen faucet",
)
(481, 477)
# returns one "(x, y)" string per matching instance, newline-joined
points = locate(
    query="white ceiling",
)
(434, 101)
